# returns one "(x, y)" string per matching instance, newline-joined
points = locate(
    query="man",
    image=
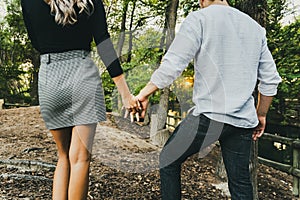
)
(230, 54)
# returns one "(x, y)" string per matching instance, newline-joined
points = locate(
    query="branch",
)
(27, 164)
(26, 177)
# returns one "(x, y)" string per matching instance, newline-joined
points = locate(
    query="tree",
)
(255, 9)
(123, 28)
(127, 20)
(170, 23)
(287, 59)
(284, 45)
(16, 50)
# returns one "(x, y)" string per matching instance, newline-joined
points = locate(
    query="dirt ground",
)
(124, 163)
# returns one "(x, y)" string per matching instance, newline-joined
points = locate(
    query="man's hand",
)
(142, 102)
(259, 130)
(263, 105)
(139, 111)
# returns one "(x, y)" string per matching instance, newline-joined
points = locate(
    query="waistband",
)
(53, 57)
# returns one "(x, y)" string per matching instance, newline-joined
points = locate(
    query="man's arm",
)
(182, 50)
(269, 79)
(263, 106)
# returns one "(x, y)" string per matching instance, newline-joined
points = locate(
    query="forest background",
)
(140, 32)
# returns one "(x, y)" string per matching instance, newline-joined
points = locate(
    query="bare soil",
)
(124, 163)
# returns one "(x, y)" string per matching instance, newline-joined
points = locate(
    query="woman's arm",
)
(127, 98)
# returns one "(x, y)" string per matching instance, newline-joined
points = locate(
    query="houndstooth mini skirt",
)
(70, 90)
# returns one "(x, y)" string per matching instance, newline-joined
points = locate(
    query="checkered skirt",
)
(70, 90)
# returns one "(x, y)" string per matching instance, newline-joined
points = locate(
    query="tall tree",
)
(283, 42)
(130, 43)
(126, 19)
(123, 28)
(257, 9)
(170, 24)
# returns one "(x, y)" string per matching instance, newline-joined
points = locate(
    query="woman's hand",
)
(132, 106)
(130, 103)
(137, 106)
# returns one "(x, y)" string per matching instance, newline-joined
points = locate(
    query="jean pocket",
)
(246, 134)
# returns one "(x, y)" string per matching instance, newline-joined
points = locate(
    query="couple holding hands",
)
(230, 55)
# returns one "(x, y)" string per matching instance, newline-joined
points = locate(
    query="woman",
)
(70, 91)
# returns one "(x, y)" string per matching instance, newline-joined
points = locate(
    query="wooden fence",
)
(1, 103)
(173, 119)
(11, 105)
(293, 169)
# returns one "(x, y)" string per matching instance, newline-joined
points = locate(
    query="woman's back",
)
(48, 36)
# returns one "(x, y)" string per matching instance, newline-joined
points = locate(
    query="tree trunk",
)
(130, 33)
(171, 16)
(34, 80)
(220, 169)
(122, 30)
(255, 8)
(162, 112)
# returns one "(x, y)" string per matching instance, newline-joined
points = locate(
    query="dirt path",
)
(124, 163)
(124, 151)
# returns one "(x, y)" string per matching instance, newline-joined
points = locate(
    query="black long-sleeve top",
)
(49, 37)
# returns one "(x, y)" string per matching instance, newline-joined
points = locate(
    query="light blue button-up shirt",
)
(230, 54)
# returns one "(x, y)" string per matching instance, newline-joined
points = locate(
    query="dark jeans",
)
(192, 135)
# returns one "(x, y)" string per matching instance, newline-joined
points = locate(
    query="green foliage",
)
(146, 55)
(147, 50)
(109, 87)
(287, 57)
(145, 11)
(183, 89)
(283, 42)
(189, 6)
(15, 50)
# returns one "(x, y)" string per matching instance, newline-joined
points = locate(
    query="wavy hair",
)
(64, 12)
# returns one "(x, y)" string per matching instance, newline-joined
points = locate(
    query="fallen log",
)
(28, 165)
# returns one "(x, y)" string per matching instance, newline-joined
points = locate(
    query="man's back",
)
(230, 53)
(227, 65)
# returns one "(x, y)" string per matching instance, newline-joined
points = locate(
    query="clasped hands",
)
(135, 107)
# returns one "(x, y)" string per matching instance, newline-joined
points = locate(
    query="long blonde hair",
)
(64, 12)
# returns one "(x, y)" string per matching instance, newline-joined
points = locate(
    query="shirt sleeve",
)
(182, 50)
(104, 44)
(28, 26)
(267, 73)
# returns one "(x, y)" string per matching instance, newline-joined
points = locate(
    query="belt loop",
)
(48, 59)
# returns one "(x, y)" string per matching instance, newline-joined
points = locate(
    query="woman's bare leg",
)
(80, 157)
(62, 138)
